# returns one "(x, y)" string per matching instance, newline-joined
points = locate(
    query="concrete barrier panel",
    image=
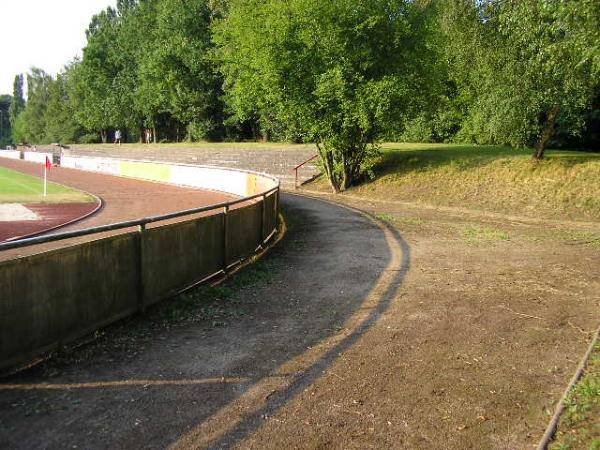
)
(243, 231)
(270, 214)
(181, 254)
(212, 178)
(62, 294)
(145, 171)
(232, 181)
(109, 166)
(11, 154)
(37, 157)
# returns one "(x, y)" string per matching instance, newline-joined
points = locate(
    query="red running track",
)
(122, 198)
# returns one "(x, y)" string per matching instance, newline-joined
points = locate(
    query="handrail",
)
(299, 166)
(127, 224)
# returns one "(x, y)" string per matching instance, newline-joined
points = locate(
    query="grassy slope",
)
(490, 178)
(16, 187)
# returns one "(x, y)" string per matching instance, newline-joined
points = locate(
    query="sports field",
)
(16, 187)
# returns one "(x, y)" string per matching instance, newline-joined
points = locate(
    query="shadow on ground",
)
(210, 386)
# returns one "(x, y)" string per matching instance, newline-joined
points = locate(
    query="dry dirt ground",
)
(432, 329)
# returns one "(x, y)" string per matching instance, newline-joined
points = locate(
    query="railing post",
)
(141, 301)
(225, 237)
(277, 208)
(263, 211)
(296, 179)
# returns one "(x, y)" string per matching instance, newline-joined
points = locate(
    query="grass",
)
(579, 427)
(16, 187)
(477, 235)
(490, 178)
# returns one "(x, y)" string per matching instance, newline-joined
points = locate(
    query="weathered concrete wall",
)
(38, 157)
(12, 154)
(53, 297)
(277, 161)
(232, 181)
(56, 296)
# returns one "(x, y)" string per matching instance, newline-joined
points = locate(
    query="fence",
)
(56, 296)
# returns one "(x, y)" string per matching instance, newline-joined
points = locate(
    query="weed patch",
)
(579, 427)
(476, 235)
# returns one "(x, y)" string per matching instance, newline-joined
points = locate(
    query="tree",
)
(523, 67)
(61, 125)
(32, 120)
(339, 73)
(99, 85)
(5, 125)
(18, 102)
(177, 75)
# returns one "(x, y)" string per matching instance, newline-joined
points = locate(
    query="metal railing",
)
(130, 223)
(299, 166)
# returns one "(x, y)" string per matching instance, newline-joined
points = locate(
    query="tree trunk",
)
(328, 165)
(547, 133)
(103, 135)
(154, 134)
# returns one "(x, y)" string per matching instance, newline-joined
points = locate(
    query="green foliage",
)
(30, 125)
(17, 102)
(521, 67)
(61, 126)
(5, 126)
(337, 73)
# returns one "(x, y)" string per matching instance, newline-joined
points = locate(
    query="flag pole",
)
(45, 178)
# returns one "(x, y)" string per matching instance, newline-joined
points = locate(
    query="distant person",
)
(118, 137)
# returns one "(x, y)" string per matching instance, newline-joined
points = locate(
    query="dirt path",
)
(438, 332)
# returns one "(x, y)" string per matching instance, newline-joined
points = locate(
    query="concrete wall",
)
(12, 154)
(235, 182)
(56, 296)
(37, 157)
(276, 160)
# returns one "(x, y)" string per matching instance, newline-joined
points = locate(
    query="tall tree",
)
(61, 125)
(32, 126)
(18, 101)
(177, 74)
(5, 125)
(97, 84)
(338, 72)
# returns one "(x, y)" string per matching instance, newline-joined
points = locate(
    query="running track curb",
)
(99, 205)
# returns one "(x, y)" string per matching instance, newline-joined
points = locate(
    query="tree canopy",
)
(336, 73)
(343, 74)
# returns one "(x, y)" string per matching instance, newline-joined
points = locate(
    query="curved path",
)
(206, 386)
(123, 198)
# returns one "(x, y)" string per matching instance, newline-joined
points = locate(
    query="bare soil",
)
(432, 329)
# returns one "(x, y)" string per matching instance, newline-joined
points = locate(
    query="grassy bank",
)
(579, 427)
(490, 178)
